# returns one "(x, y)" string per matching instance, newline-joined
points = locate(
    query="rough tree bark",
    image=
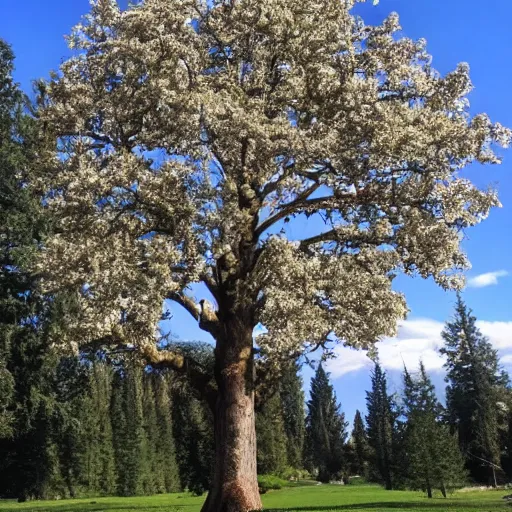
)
(234, 485)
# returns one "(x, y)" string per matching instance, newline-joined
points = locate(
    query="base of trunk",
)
(235, 480)
(237, 496)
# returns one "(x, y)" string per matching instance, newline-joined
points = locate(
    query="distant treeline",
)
(93, 425)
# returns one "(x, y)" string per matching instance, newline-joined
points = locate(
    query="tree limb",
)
(203, 313)
(286, 210)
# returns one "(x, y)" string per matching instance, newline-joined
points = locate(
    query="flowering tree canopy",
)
(191, 132)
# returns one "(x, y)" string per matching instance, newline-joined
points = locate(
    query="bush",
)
(290, 473)
(358, 480)
(270, 482)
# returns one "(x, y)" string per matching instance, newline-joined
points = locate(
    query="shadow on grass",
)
(427, 505)
(97, 507)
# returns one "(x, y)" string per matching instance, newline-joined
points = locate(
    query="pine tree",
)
(380, 424)
(271, 437)
(325, 429)
(360, 447)
(433, 456)
(476, 385)
(292, 403)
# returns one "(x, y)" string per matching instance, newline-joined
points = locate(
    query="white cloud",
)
(347, 361)
(487, 279)
(499, 333)
(507, 360)
(417, 339)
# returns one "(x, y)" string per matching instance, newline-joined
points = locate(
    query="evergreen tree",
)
(134, 433)
(433, 456)
(192, 427)
(506, 438)
(360, 447)
(72, 391)
(380, 424)
(28, 455)
(152, 478)
(119, 432)
(271, 437)
(476, 385)
(166, 462)
(325, 429)
(292, 403)
(98, 457)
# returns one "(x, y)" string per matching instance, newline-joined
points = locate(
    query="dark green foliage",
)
(29, 420)
(381, 426)
(433, 458)
(359, 448)
(128, 430)
(325, 430)
(292, 404)
(271, 436)
(98, 462)
(476, 386)
(159, 466)
(166, 465)
(193, 432)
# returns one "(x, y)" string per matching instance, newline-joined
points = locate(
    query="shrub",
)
(270, 482)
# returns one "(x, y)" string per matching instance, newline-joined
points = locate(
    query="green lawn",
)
(322, 498)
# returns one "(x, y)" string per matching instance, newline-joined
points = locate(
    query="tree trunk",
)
(234, 485)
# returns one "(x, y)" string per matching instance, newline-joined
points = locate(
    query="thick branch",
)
(203, 313)
(161, 359)
(187, 303)
(200, 380)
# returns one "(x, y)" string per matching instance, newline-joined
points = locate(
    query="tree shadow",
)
(95, 507)
(427, 505)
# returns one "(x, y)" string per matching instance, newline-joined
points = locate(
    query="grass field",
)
(322, 498)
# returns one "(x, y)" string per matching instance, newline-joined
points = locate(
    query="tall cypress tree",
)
(193, 432)
(292, 403)
(380, 424)
(128, 431)
(325, 429)
(166, 461)
(476, 384)
(152, 478)
(271, 436)
(98, 457)
(134, 433)
(119, 432)
(433, 456)
(360, 447)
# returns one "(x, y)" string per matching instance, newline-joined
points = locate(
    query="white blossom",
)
(190, 130)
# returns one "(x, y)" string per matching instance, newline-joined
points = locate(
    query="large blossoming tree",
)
(193, 134)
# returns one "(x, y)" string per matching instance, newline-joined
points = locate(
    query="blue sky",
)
(456, 30)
